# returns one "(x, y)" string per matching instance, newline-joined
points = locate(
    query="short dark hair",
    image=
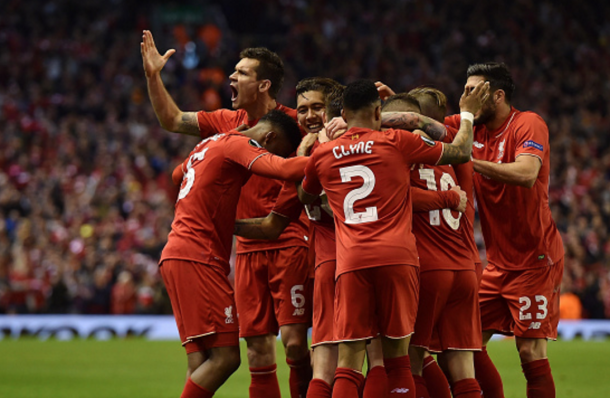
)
(323, 85)
(270, 67)
(497, 74)
(334, 103)
(401, 98)
(285, 125)
(360, 94)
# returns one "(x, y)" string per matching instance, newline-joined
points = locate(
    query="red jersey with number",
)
(465, 178)
(517, 223)
(365, 174)
(259, 194)
(213, 176)
(440, 233)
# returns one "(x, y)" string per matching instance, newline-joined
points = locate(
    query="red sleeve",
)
(453, 121)
(418, 149)
(531, 137)
(451, 133)
(217, 122)
(311, 182)
(177, 174)
(424, 200)
(287, 203)
(249, 154)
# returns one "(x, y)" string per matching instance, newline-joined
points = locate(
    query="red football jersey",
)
(214, 174)
(440, 233)
(259, 194)
(517, 223)
(365, 174)
(465, 179)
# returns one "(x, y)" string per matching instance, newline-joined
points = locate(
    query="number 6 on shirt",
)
(190, 174)
(370, 213)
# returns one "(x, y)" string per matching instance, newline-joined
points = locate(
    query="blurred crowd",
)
(86, 201)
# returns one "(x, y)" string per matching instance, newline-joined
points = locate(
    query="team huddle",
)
(354, 216)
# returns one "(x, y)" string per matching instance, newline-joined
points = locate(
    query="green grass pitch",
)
(139, 368)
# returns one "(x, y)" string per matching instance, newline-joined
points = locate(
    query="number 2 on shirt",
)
(370, 213)
(190, 173)
(447, 183)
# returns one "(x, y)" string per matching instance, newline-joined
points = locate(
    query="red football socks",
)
(318, 388)
(487, 375)
(264, 382)
(466, 388)
(300, 376)
(400, 379)
(436, 382)
(192, 390)
(376, 385)
(540, 382)
(420, 387)
(347, 383)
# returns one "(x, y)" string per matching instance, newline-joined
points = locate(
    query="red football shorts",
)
(272, 289)
(376, 300)
(323, 304)
(203, 304)
(478, 268)
(448, 316)
(524, 303)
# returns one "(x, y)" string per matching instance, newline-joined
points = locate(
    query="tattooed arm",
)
(414, 121)
(170, 116)
(460, 149)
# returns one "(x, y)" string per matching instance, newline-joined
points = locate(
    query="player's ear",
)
(499, 96)
(264, 85)
(378, 113)
(270, 137)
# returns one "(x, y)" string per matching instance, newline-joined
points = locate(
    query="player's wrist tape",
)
(467, 116)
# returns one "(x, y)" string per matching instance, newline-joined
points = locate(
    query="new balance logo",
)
(478, 145)
(229, 314)
(399, 391)
(299, 312)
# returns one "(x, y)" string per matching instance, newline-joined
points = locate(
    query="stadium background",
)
(86, 200)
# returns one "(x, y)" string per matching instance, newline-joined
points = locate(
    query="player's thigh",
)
(495, 311)
(434, 289)
(323, 304)
(531, 295)
(459, 326)
(397, 293)
(252, 295)
(289, 284)
(203, 297)
(355, 309)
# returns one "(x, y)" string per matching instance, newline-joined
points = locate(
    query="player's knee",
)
(530, 351)
(296, 349)
(231, 362)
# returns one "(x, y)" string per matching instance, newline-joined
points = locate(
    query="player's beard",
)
(488, 112)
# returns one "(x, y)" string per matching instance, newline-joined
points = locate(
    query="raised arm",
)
(169, 115)
(460, 149)
(278, 168)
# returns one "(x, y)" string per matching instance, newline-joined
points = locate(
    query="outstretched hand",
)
(152, 60)
(472, 100)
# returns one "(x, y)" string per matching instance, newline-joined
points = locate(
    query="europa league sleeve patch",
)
(428, 141)
(533, 144)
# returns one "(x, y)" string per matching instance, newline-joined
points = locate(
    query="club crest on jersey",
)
(229, 314)
(533, 144)
(501, 149)
(428, 141)
(355, 137)
(254, 143)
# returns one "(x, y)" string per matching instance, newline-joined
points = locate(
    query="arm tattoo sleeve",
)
(413, 121)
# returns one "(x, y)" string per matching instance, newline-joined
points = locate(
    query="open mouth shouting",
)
(234, 93)
(314, 127)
